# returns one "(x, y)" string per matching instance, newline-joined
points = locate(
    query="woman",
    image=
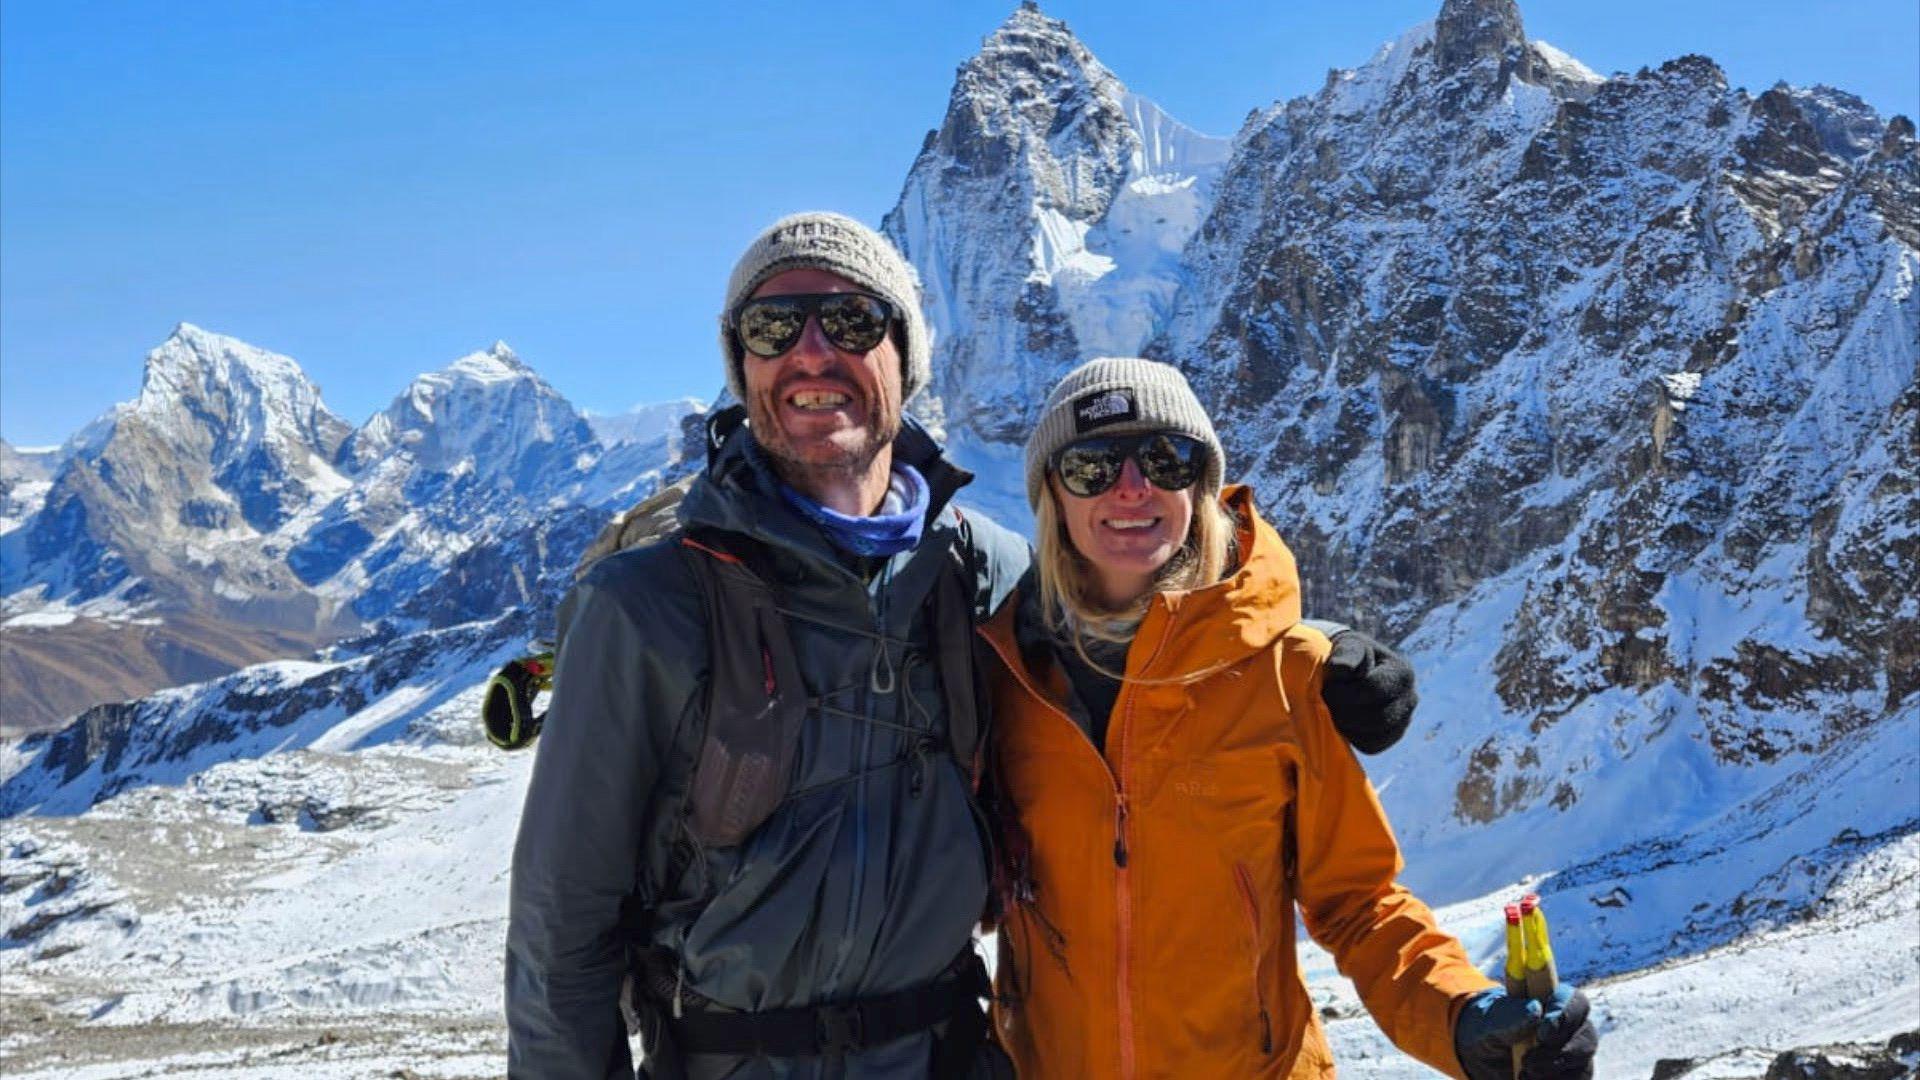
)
(1172, 787)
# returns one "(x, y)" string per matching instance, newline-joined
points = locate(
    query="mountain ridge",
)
(225, 516)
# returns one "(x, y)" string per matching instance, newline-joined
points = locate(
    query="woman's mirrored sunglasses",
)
(768, 326)
(1091, 466)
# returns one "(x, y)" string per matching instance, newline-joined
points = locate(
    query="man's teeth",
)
(1132, 523)
(818, 399)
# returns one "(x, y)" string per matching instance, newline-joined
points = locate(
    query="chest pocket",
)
(1226, 769)
(1236, 802)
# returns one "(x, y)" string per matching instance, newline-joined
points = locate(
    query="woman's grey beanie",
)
(1119, 396)
(838, 244)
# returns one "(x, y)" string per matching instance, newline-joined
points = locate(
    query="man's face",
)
(817, 409)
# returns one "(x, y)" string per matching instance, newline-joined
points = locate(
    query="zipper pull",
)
(880, 673)
(1266, 1032)
(679, 981)
(1120, 832)
(917, 763)
(880, 677)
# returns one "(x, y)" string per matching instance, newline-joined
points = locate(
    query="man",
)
(818, 921)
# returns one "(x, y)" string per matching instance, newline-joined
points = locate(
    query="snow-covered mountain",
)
(644, 423)
(1600, 394)
(486, 415)
(146, 561)
(1046, 216)
(461, 457)
(1617, 374)
(224, 444)
(26, 475)
(226, 516)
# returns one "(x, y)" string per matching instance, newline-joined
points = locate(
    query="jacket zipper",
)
(876, 687)
(1019, 674)
(1123, 886)
(1123, 882)
(1116, 775)
(1245, 880)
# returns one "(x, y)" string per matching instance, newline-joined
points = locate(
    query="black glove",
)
(1493, 1023)
(1369, 690)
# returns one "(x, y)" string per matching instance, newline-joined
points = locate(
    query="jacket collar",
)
(734, 495)
(1242, 613)
(1191, 631)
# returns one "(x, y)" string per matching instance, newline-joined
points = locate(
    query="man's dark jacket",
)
(868, 879)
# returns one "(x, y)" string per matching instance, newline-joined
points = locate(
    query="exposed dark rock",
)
(1468, 31)
(1898, 1057)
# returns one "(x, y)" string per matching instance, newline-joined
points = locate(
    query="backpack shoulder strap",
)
(954, 642)
(756, 699)
(721, 424)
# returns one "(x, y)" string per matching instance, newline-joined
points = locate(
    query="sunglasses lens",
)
(770, 327)
(1090, 467)
(854, 323)
(1172, 462)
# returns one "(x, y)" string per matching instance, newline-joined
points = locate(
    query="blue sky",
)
(377, 188)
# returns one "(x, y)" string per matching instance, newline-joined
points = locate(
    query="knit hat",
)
(1119, 396)
(818, 240)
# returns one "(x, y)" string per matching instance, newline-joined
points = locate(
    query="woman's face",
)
(1126, 533)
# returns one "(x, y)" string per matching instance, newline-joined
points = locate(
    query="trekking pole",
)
(1516, 971)
(1539, 977)
(1543, 977)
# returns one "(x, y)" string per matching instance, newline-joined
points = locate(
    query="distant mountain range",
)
(1599, 394)
(226, 516)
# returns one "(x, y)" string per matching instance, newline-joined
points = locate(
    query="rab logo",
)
(1201, 781)
(1103, 407)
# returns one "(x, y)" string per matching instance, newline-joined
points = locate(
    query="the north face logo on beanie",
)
(1103, 407)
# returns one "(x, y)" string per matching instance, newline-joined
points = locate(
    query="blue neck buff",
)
(895, 528)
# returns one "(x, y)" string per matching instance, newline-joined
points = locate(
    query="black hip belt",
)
(837, 1029)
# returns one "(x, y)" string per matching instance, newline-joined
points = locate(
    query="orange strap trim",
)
(721, 555)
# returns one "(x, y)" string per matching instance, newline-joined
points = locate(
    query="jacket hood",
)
(1242, 613)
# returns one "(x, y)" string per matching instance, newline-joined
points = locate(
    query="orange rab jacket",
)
(1153, 935)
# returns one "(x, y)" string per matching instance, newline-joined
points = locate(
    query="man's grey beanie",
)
(1119, 396)
(838, 244)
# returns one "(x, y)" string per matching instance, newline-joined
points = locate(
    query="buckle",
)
(839, 1028)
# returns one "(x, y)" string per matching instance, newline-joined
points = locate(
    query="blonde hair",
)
(1067, 603)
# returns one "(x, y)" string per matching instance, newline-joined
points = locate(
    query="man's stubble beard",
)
(843, 463)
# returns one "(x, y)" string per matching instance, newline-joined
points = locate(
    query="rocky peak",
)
(249, 391)
(1782, 137)
(251, 416)
(164, 499)
(491, 372)
(486, 413)
(1848, 127)
(1469, 31)
(496, 364)
(1899, 139)
(1035, 90)
(1025, 193)
(1692, 72)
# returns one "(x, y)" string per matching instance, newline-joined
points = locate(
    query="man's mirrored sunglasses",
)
(768, 326)
(1091, 466)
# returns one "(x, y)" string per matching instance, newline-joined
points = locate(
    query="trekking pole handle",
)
(1516, 972)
